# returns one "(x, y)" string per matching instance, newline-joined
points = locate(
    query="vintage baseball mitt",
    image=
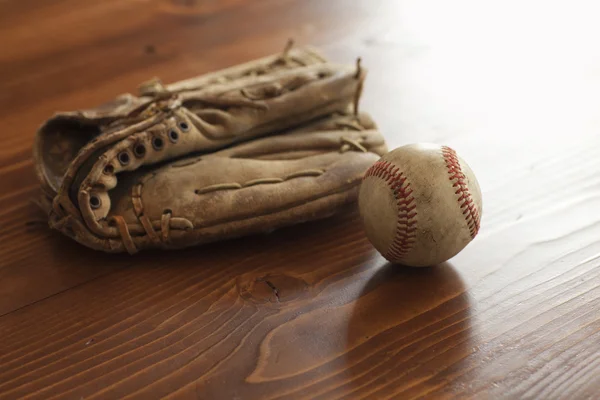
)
(247, 149)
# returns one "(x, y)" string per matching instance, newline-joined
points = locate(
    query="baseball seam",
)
(406, 225)
(465, 200)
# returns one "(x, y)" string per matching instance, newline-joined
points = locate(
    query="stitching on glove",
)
(268, 92)
(260, 181)
(125, 235)
(287, 48)
(138, 208)
(307, 172)
(218, 186)
(286, 57)
(147, 225)
(263, 181)
(351, 144)
(277, 89)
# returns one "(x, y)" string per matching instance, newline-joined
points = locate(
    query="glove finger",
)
(336, 133)
(217, 197)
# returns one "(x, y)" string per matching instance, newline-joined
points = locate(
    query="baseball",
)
(420, 204)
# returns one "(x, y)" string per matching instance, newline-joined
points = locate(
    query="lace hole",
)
(124, 158)
(157, 143)
(184, 126)
(95, 202)
(322, 75)
(109, 169)
(139, 150)
(173, 136)
(167, 211)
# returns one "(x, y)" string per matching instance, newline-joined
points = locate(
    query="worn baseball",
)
(420, 204)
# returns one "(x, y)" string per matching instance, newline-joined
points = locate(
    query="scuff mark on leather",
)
(259, 181)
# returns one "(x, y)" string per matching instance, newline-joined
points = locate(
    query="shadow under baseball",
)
(409, 330)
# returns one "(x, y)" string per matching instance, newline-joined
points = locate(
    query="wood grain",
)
(313, 311)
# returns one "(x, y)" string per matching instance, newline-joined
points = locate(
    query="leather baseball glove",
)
(247, 149)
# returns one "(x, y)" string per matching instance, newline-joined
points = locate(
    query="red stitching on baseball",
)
(465, 200)
(406, 226)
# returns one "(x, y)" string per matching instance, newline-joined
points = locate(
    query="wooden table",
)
(513, 86)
